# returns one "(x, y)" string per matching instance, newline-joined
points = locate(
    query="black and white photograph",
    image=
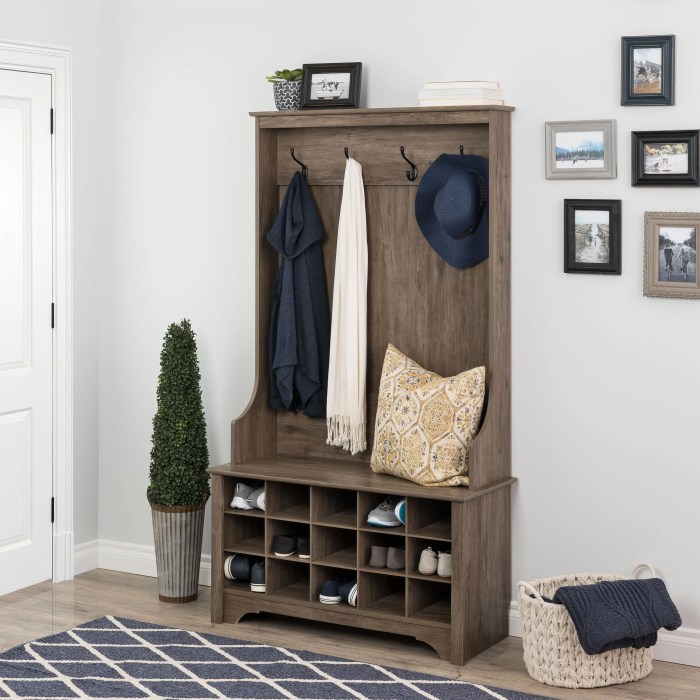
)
(648, 72)
(592, 236)
(329, 85)
(670, 254)
(580, 150)
(665, 158)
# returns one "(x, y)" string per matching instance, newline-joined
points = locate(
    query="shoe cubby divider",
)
(321, 574)
(429, 518)
(229, 490)
(367, 540)
(287, 501)
(244, 535)
(288, 579)
(334, 507)
(332, 546)
(366, 501)
(429, 601)
(382, 594)
(289, 529)
(414, 549)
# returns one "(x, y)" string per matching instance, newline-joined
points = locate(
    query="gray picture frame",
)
(581, 168)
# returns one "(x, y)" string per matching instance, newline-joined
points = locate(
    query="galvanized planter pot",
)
(177, 532)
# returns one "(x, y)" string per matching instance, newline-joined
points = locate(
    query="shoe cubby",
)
(287, 579)
(321, 574)
(287, 501)
(365, 503)
(244, 535)
(334, 507)
(380, 593)
(332, 546)
(288, 529)
(429, 518)
(367, 540)
(414, 549)
(229, 492)
(429, 601)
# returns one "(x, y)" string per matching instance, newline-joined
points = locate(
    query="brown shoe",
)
(378, 558)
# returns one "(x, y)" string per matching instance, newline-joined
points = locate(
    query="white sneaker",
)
(240, 497)
(256, 499)
(444, 567)
(428, 563)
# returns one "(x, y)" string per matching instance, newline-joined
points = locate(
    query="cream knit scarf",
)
(346, 404)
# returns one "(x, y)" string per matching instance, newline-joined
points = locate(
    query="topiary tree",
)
(179, 454)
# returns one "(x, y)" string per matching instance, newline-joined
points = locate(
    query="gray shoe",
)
(256, 499)
(444, 567)
(396, 559)
(379, 557)
(383, 515)
(241, 494)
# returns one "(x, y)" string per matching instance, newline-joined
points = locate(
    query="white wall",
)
(605, 381)
(77, 24)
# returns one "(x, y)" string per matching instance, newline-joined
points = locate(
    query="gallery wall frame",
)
(670, 254)
(330, 85)
(592, 236)
(648, 70)
(580, 150)
(665, 158)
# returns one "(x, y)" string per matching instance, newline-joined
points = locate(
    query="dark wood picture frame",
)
(643, 175)
(666, 93)
(583, 246)
(309, 100)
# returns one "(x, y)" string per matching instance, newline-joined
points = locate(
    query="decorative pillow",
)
(425, 422)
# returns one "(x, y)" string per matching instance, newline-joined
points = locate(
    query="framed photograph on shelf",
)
(580, 150)
(647, 70)
(592, 234)
(670, 254)
(665, 158)
(327, 85)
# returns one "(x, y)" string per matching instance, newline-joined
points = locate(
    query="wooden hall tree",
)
(446, 319)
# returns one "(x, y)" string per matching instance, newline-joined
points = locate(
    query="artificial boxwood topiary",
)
(179, 453)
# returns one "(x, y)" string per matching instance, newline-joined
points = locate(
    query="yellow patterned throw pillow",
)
(425, 422)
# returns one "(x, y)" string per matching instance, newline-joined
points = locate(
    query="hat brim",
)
(462, 252)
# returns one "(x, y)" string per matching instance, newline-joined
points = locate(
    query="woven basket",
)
(553, 654)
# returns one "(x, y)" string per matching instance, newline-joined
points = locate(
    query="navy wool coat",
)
(299, 339)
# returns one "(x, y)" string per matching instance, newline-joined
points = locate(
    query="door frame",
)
(56, 61)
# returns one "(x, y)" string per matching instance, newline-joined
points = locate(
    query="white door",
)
(26, 259)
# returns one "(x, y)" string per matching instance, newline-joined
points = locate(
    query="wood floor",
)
(45, 608)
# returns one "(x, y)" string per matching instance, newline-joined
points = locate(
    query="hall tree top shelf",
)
(444, 318)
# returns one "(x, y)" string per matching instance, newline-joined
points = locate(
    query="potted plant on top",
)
(179, 483)
(286, 88)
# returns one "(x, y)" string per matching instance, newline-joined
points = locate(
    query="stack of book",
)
(460, 92)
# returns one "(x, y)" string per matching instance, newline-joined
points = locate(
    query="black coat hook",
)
(461, 150)
(345, 150)
(411, 174)
(304, 169)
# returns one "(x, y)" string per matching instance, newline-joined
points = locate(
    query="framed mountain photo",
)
(580, 150)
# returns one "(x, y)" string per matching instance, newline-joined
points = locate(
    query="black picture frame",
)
(349, 96)
(656, 162)
(646, 75)
(593, 250)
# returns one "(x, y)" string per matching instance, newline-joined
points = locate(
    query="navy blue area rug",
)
(113, 657)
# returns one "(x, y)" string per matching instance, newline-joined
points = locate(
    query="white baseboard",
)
(679, 647)
(129, 558)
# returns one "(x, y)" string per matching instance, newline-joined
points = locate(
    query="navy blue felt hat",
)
(452, 208)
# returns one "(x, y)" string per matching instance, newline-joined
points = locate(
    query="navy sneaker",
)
(284, 546)
(257, 577)
(348, 593)
(303, 548)
(237, 567)
(329, 593)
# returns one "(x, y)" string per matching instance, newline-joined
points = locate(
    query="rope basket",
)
(552, 652)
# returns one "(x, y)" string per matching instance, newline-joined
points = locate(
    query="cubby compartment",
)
(367, 540)
(321, 574)
(415, 547)
(367, 501)
(229, 492)
(429, 601)
(334, 507)
(429, 518)
(244, 535)
(290, 529)
(332, 546)
(287, 501)
(382, 594)
(288, 579)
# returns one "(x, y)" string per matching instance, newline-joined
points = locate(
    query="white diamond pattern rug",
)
(113, 657)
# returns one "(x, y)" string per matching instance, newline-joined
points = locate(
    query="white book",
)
(466, 92)
(454, 101)
(457, 84)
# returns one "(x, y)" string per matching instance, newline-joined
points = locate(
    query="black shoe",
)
(329, 593)
(237, 567)
(303, 547)
(348, 592)
(257, 577)
(284, 546)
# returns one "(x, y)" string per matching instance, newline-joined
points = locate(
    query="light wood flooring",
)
(46, 608)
